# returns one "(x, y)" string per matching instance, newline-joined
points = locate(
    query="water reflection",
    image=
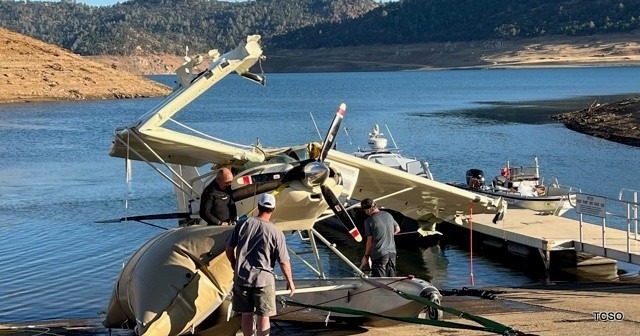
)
(445, 265)
(525, 112)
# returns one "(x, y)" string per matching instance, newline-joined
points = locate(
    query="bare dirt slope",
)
(31, 70)
(552, 51)
(618, 49)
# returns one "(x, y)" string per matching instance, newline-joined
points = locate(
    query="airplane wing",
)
(414, 196)
(164, 145)
(147, 140)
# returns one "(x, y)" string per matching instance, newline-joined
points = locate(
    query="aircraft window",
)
(254, 171)
(302, 154)
(281, 158)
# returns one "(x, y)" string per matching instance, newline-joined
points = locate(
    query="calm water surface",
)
(56, 177)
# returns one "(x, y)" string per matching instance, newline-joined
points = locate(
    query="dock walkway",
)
(551, 233)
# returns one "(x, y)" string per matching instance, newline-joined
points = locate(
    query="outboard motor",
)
(475, 178)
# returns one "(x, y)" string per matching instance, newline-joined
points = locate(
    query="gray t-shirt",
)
(381, 226)
(259, 245)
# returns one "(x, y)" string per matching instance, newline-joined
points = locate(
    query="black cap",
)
(367, 204)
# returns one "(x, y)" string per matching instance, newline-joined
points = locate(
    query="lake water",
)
(56, 177)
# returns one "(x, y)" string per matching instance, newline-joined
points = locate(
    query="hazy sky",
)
(112, 2)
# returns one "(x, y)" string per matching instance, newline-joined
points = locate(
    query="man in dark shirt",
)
(379, 229)
(216, 205)
(258, 244)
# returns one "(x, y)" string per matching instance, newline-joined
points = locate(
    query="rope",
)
(491, 325)
(29, 329)
(471, 244)
(274, 193)
(485, 324)
(152, 225)
(128, 179)
(415, 320)
(483, 294)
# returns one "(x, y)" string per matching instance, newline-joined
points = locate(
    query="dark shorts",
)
(258, 300)
(384, 266)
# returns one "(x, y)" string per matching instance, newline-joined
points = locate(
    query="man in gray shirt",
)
(379, 230)
(258, 244)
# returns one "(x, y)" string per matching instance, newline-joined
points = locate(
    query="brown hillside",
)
(31, 70)
(549, 51)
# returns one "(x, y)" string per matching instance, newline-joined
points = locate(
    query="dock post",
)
(635, 212)
(581, 246)
(546, 259)
(629, 228)
(604, 242)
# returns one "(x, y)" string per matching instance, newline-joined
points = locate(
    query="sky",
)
(113, 2)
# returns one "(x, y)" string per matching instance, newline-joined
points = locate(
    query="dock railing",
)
(622, 209)
(632, 207)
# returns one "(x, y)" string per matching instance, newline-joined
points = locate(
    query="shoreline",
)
(551, 310)
(39, 95)
(54, 73)
(618, 49)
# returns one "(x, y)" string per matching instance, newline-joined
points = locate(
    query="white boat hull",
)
(551, 207)
(556, 202)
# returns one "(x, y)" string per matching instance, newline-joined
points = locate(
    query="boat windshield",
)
(523, 173)
(389, 161)
(415, 168)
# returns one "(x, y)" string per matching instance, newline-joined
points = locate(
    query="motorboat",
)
(522, 187)
(391, 157)
(411, 231)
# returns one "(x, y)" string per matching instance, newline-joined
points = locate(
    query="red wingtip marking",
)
(342, 110)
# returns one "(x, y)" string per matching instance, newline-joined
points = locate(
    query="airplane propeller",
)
(311, 172)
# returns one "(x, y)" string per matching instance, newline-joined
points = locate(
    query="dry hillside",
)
(551, 51)
(31, 70)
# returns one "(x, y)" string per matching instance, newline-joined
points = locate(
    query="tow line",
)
(485, 324)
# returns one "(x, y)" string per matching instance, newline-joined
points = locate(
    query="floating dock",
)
(522, 228)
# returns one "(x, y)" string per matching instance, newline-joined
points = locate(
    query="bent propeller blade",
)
(341, 212)
(333, 131)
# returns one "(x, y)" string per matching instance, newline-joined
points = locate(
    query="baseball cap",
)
(267, 201)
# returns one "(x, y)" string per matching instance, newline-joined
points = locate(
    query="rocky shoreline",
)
(618, 121)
